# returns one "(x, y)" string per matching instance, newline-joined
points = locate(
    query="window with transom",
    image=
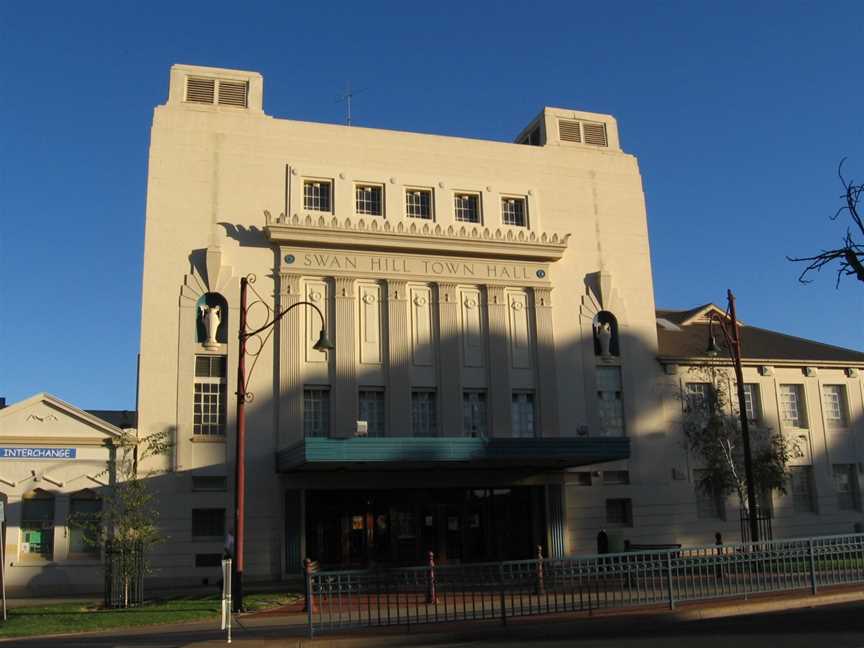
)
(467, 207)
(316, 195)
(522, 405)
(792, 406)
(316, 412)
(424, 413)
(371, 410)
(513, 211)
(210, 395)
(834, 405)
(474, 413)
(418, 203)
(368, 200)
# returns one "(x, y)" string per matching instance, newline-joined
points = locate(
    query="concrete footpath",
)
(289, 630)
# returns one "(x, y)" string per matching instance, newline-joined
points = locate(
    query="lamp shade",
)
(324, 343)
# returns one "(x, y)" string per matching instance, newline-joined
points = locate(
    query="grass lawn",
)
(78, 617)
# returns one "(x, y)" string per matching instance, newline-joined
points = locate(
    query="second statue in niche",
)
(211, 316)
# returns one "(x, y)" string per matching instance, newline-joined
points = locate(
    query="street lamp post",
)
(244, 396)
(728, 325)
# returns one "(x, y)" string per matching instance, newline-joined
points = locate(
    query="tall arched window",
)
(211, 320)
(606, 335)
(85, 508)
(37, 525)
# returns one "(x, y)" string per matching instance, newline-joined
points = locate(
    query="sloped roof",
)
(691, 340)
(61, 407)
(118, 418)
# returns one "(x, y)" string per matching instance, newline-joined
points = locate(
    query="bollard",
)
(541, 589)
(309, 599)
(431, 594)
(718, 540)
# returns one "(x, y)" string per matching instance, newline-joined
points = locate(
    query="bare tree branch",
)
(850, 256)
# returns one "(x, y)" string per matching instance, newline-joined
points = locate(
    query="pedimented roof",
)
(46, 415)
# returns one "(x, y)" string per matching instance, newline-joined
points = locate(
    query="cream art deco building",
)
(501, 378)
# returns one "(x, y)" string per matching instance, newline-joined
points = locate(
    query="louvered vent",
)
(568, 131)
(200, 90)
(595, 134)
(233, 93)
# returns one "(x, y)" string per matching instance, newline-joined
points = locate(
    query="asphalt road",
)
(837, 626)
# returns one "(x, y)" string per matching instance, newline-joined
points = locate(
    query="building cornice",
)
(760, 362)
(463, 240)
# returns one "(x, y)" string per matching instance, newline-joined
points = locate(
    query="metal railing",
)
(484, 591)
(124, 575)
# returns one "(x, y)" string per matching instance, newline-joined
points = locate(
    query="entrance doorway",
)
(365, 528)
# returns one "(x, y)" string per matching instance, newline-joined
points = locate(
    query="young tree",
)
(127, 525)
(850, 255)
(712, 432)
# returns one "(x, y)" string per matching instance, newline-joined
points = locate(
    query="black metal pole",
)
(735, 351)
(240, 457)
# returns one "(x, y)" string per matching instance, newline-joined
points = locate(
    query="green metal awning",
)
(407, 453)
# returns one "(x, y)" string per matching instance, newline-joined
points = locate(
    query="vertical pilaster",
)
(344, 402)
(449, 361)
(398, 396)
(547, 380)
(500, 390)
(289, 412)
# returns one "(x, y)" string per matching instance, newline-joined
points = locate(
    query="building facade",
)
(501, 378)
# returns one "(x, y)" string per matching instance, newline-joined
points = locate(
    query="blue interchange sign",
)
(37, 453)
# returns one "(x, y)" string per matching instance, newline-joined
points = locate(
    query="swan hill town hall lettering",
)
(419, 267)
(37, 453)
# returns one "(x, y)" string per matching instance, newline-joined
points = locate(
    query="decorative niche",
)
(606, 343)
(211, 320)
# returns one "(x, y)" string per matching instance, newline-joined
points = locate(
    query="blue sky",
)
(739, 113)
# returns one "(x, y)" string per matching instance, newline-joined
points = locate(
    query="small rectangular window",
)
(208, 560)
(371, 410)
(369, 200)
(697, 397)
(834, 404)
(616, 477)
(474, 413)
(317, 195)
(424, 413)
(803, 493)
(751, 402)
(208, 523)
(513, 211)
(467, 207)
(84, 514)
(792, 411)
(210, 366)
(609, 401)
(209, 483)
(316, 412)
(418, 203)
(522, 406)
(582, 478)
(846, 487)
(619, 512)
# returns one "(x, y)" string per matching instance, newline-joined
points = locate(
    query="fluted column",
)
(344, 404)
(290, 340)
(547, 381)
(500, 390)
(450, 361)
(399, 360)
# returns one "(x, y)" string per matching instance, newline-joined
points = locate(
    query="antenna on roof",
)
(347, 96)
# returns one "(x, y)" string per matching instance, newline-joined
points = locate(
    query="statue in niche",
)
(211, 316)
(604, 337)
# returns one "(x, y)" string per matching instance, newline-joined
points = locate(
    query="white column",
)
(398, 360)
(289, 340)
(547, 380)
(344, 402)
(500, 389)
(450, 361)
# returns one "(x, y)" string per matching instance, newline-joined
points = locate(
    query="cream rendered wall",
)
(821, 447)
(213, 171)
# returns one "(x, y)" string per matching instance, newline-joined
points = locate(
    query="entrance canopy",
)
(407, 453)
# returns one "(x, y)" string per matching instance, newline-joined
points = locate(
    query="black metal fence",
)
(124, 575)
(763, 520)
(433, 594)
